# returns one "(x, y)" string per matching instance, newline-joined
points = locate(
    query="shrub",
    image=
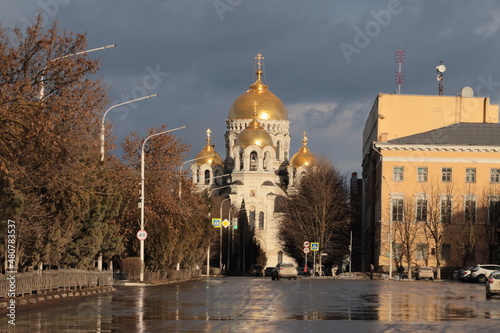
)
(131, 266)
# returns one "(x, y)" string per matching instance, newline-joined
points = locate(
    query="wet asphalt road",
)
(254, 304)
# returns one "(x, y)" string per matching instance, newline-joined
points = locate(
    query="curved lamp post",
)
(142, 192)
(103, 128)
(42, 88)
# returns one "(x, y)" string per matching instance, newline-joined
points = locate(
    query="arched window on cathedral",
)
(217, 177)
(197, 176)
(261, 220)
(278, 150)
(253, 161)
(207, 177)
(252, 218)
(266, 161)
(241, 160)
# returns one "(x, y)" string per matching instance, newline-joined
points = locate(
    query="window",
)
(445, 210)
(494, 210)
(470, 211)
(470, 175)
(421, 210)
(446, 175)
(398, 174)
(495, 175)
(253, 161)
(422, 174)
(261, 220)
(207, 177)
(252, 218)
(421, 251)
(397, 209)
(445, 251)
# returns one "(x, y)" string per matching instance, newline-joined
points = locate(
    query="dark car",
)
(268, 271)
(256, 270)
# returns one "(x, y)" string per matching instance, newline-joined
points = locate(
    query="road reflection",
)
(222, 304)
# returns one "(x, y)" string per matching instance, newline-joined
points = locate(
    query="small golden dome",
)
(270, 107)
(303, 157)
(208, 154)
(254, 134)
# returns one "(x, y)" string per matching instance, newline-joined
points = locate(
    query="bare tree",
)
(406, 228)
(319, 212)
(490, 218)
(441, 205)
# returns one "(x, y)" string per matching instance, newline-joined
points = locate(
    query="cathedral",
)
(257, 168)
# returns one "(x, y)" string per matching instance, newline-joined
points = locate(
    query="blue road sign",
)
(314, 246)
(216, 222)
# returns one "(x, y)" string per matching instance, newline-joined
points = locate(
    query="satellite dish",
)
(467, 92)
(441, 68)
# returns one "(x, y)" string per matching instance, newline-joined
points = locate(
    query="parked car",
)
(284, 270)
(481, 272)
(268, 271)
(493, 284)
(256, 270)
(462, 274)
(424, 272)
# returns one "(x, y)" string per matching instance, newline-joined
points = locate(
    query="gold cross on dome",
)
(259, 57)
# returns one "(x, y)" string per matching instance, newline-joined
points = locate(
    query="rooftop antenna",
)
(440, 69)
(400, 75)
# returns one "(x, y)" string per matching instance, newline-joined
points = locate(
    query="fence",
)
(37, 282)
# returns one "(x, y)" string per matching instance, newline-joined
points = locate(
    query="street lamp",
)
(42, 88)
(104, 116)
(142, 193)
(220, 236)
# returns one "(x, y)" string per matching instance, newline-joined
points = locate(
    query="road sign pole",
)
(305, 266)
(314, 264)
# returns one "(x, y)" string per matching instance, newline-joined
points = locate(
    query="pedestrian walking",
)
(371, 271)
(401, 271)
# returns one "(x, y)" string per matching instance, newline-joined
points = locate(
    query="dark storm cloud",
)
(199, 57)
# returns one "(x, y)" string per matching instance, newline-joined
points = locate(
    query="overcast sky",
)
(326, 60)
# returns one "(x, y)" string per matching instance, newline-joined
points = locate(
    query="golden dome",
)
(303, 157)
(270, 107)
(208, 154)
(254, 134)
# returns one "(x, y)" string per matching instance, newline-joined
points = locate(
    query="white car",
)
(493, 284)
(284, 270)
(481, 272)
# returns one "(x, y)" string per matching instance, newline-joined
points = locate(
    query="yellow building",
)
(431, 174)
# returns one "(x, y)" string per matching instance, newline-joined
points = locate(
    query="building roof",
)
(460, 134)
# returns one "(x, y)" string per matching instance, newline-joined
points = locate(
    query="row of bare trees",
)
(69, 207)
(441, 215)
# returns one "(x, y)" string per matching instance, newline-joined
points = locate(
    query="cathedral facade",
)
(257, 168)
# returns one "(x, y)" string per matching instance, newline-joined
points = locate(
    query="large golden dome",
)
(208, 154)
(303, 157)
(270, 107)
(254, 134)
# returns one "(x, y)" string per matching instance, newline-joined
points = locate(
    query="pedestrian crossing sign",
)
(314, 246)
(216, 222)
